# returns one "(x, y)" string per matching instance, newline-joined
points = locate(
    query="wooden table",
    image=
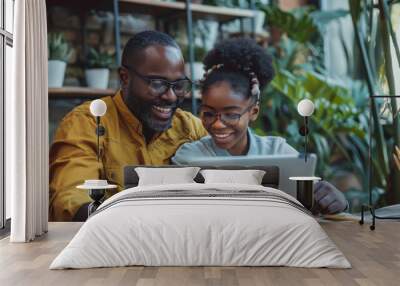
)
(374, 255)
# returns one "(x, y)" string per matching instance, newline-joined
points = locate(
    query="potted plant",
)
(259, 16)
(97, 72)
(58, 53)
(198, 70)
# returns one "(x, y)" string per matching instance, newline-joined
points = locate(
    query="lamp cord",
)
(98, 137)
(306, 137)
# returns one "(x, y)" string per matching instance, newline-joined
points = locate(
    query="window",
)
(6, 43)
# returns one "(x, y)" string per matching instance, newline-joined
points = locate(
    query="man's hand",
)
(328, 199)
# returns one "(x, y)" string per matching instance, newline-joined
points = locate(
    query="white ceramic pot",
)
(198, 70)
(259, 19)
(56, 72)
(97, 78)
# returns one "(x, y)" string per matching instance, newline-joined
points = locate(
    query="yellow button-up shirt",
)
(73, 154)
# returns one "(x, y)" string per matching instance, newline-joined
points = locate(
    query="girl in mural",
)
(237, 70)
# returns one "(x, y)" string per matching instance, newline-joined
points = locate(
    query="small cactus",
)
(58, 48)
(97, 59)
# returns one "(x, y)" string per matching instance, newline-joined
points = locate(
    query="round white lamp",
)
(305, 108)
(98, 108)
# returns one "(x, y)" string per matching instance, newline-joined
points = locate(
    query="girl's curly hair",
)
(237, 61)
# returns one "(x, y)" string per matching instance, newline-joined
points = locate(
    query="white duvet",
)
(224, 225)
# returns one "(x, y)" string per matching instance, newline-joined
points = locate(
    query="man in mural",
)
(143, 125)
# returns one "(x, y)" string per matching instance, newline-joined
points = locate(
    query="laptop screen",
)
(289, 166)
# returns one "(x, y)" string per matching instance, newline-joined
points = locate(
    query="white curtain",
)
(27, 124)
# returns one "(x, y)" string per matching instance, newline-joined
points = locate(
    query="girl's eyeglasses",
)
(228, 118)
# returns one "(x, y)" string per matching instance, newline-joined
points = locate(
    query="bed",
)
(201, 224)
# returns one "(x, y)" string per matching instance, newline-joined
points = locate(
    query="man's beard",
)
(143, 111)
(153, 124)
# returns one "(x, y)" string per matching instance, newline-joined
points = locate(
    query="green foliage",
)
(58, 48)
(97, 59)
(298, 27)
(336, 118)
(339, 126)
(302, 24)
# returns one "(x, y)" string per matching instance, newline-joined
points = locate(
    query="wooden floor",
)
(374, 255)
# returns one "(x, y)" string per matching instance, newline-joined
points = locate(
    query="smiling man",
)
(143, 125)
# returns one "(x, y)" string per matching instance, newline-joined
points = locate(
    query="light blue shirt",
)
(205, 147)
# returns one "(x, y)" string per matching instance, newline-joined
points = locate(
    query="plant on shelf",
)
(199, 54)
(98, 68)
(247, 25)
(59, 53)
(228, 3)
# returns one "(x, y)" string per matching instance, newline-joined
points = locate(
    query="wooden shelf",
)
(87, 92)
(72, 92)
(79, 6)
(157, 8)
(79, 92)
(175, 9)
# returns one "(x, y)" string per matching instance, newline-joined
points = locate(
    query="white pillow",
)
(248, 177)
(163, 176)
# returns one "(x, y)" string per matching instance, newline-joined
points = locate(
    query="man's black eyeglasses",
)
(160, 86)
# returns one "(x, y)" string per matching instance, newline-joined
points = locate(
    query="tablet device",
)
(289, 166)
